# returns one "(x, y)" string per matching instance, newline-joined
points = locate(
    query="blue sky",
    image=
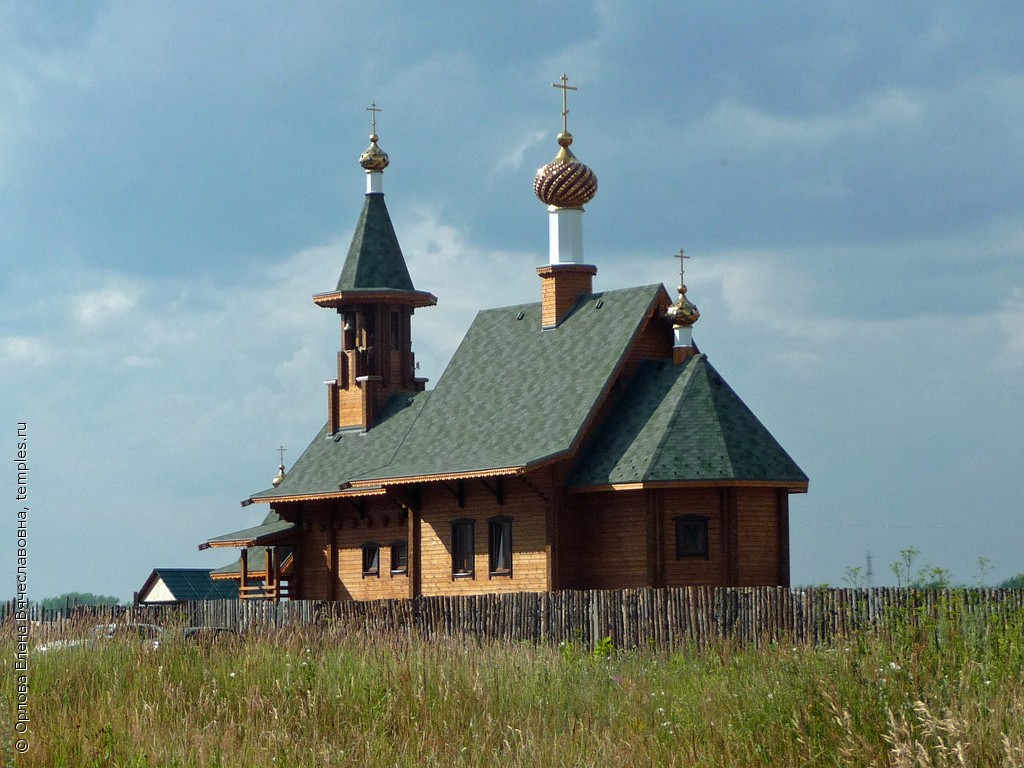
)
(176, 181)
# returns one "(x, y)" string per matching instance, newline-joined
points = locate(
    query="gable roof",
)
(512, 396)
(678, 423)
(181, 584)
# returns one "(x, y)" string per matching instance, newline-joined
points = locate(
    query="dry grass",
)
(942, 694)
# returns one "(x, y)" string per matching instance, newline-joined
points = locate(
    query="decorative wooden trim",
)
(670, 484)
(340, 299)
(374, 490)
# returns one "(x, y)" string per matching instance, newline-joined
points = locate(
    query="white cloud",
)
(17, 350)
(514, 157)
(95, 308)
(742, 126)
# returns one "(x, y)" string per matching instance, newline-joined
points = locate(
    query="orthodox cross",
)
(682, 260)
(565, 100)
(281, 450)
(374, 109)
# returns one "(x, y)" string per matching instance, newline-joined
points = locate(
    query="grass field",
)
(944, 693)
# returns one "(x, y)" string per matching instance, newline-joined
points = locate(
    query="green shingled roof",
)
(680, 423)
(375, 261)
(512, 395)
(193, 584)
(266, 533)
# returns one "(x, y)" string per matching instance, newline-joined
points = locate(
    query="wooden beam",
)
(333, 563)
(782, 512)
(459, 492)
(498, 490)
(244, 578)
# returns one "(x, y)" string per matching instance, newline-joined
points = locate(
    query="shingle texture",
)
(259, 534)
(375, 261)
(680, 423)
(513, 395)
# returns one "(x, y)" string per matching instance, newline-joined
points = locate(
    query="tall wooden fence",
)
(655, 618)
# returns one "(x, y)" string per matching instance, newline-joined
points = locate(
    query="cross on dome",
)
(374, 109)
(374, 159)
(684, 313)
(565, 100)
(682, 257)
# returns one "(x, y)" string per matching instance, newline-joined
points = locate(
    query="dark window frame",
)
(499, 531)
(464, 538)
(369, 561)
(686, 545)
(400, 568)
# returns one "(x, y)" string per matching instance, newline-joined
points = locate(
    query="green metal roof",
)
(193, 584)
(512, 395)
(680, 423)
(375, 261)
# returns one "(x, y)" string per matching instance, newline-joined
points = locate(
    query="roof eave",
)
(793, 486)
(352, 297)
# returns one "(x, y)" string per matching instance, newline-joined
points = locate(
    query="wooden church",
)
(581, 441)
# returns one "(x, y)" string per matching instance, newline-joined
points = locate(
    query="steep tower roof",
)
(375, 261)
(375, 269)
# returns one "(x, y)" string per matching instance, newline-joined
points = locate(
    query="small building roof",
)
(272, 530)
(175, 585)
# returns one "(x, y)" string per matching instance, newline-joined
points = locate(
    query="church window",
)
(399, 558)
(463, 553)
(371, 559)
(691, 536)
(499, 546)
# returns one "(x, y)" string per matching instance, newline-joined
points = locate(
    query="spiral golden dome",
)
(565, 182)
(374, 158)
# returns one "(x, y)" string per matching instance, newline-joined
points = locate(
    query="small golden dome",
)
(684, 313)
(374, 158)
(279, 477)
(565, 182)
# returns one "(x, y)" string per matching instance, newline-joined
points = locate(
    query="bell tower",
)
(376, 299)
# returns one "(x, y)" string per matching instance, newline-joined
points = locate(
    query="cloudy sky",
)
(177, 179)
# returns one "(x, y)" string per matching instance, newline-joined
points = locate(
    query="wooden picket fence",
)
(632, 618)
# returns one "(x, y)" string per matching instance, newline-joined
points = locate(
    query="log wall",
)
(440, 507)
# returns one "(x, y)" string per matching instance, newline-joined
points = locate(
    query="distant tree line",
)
(77, 598)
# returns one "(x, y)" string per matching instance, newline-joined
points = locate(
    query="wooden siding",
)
(339, 526)
(758, 555)
(610, 545)
(440, 507)
(692, 571)
(601, 540)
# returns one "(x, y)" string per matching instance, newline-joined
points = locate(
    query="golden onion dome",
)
(684, 313)
(374, 158)
(565, 182)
